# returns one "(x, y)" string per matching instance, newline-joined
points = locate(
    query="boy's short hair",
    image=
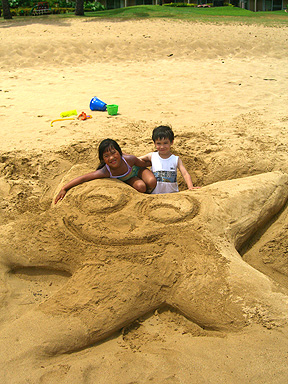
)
(163, 132)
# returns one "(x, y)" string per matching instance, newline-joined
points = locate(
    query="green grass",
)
(219, 15)
(211, 15)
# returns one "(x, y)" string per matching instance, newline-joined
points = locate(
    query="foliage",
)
(93, 6)
(13, 12)
(179, 5)
(62, 4)
(24, 7)
(23, 11)
(62, 11)
(13, 4)
(32, 3)
(21, 3)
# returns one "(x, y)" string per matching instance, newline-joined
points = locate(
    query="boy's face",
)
(163, 146)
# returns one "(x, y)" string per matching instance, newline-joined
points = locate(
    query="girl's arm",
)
(99, 174)
(185, 175)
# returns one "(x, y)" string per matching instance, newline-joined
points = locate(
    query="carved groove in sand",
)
(105, 208)
(172, 211)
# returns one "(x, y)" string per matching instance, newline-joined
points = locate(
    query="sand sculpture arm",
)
(99, 174)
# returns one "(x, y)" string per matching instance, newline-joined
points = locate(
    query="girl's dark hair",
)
(104, 146)
(162, 132)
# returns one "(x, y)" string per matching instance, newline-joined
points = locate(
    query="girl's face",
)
(112, 157)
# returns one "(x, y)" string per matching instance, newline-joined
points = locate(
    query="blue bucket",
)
(97, 105)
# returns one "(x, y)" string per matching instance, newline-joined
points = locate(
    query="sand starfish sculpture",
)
(130, 253)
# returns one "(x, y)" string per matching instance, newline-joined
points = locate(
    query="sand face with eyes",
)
(129, 253)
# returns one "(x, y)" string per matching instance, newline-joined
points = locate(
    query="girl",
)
(116, 165)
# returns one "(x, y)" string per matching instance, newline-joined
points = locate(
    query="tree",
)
(79, 8)
(6, 9)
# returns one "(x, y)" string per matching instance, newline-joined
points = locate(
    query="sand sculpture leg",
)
(86, 310)
(229, 295)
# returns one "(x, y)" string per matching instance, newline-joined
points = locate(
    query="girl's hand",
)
(191, 188)
(60, 196)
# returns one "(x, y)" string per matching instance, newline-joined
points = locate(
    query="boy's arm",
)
(185, 175)
(147, 159)
(133, 160)
(100, 173)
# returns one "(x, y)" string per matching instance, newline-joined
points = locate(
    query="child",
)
(164, 163)
(114, 164)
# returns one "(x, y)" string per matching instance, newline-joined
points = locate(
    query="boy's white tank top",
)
(165, 171)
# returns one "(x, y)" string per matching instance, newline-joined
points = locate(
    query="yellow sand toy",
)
(82, 116)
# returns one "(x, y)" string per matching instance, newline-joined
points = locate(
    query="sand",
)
(223, 89)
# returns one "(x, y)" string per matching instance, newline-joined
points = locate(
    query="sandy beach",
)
(223, 89)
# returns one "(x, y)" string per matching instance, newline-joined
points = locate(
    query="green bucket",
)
(112, 109)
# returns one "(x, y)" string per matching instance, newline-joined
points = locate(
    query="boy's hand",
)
(191, 188)
(60, 196)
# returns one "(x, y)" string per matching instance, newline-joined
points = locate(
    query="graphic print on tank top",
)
(165, 171)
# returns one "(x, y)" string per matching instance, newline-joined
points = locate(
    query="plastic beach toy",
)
(72, 112)
(53, 121)
(112, 109)
(83, 116)
(97, 104)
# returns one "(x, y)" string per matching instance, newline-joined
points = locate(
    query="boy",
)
(164, 164)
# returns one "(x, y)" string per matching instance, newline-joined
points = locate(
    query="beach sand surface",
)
(223, 90)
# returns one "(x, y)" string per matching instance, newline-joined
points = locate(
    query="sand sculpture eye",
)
(169, 208)
(101, 200)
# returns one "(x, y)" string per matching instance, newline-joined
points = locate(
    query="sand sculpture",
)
(128, 253)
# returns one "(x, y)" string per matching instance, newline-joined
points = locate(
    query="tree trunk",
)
(79, 8)
(6, 9)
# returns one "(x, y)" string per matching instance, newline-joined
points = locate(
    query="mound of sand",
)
(224, 90)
